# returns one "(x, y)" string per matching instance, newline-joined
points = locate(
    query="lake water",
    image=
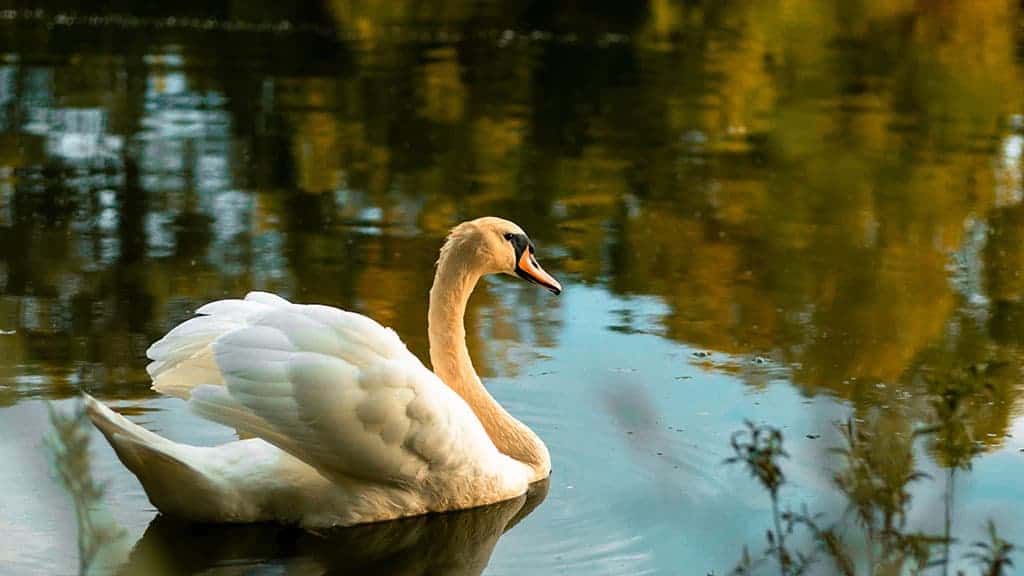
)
(792, 213)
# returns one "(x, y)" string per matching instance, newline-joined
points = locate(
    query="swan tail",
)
(173, 483)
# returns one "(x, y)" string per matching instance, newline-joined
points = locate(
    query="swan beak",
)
(528, 269)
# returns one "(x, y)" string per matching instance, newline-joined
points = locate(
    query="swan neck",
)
(454, 282)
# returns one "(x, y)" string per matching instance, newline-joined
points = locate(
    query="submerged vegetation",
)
(102, 544)
(874, 472)
(993, 556)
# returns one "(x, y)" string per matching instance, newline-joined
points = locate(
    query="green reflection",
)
(835, 186)
(790, 178)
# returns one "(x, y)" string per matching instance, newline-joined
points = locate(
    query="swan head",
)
(493, 245)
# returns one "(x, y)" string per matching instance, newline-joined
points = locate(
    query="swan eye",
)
(508, 236)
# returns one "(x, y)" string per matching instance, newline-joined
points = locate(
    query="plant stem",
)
(780, 542)
(871, 550)
(948, 527)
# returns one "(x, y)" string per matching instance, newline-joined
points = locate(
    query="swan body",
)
(347, 426)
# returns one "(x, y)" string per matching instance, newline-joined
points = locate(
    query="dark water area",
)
(788, 212)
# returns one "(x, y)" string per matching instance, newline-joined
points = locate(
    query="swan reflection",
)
(456, 543)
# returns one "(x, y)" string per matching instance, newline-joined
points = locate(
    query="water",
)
(788, 213)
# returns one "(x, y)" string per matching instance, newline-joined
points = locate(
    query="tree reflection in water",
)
(833, 187)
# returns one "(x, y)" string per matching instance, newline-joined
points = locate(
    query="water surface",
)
(788, 213)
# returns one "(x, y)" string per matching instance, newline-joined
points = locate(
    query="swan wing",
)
(333, 388)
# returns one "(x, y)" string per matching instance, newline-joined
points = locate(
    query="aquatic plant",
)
(951, 433)
(993, 556)
(760, 448)
(873, 476)
(102, 543)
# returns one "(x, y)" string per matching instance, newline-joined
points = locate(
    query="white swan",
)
(349, 426)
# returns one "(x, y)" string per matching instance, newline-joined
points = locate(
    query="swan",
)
(343, 424)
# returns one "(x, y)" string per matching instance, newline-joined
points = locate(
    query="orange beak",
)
(528, 269)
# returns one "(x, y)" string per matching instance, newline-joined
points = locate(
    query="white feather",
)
(267, 298)
(237, 310)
